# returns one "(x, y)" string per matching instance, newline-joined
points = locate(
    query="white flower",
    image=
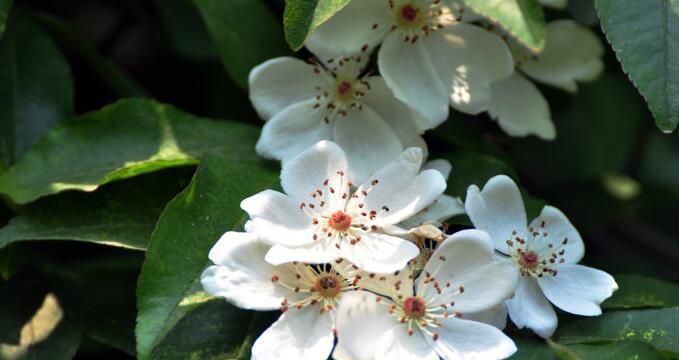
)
(545, 252)
(304, 103)
(427, 58)
(572, 53)
(307, 295)
(427, 318)
(323, 216)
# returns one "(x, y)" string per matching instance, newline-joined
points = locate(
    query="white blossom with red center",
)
(305, 103)
(545, 252)
(308, 296)
(433, 315)
(427, 58)
(323, 215)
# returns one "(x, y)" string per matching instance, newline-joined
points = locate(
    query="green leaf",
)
(659, 153)
(122, 140)
(190, 225)
(562, 352)
(33, 324)
(215, 330)
(523, 19)
(618, 350)
(472, 168)
(185, 28)
(532, 349)
(5, 5)
(657, 327)
(638, 291)
(122, 214)
(645, 37)
(301, 17)
(245, 32)
(36, 89)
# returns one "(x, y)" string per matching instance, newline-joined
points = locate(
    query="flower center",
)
(414, 307)
(340, 221)
(344, 88)
(529, 260)
(328, 286)
(409, 13)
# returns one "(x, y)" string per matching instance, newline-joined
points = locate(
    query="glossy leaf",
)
(657, 327)
(617, 350)
(122, 140)
(645, 37)
(301, 17)
(638, 291)
(121, 214)
(523, 19)
(36, 89)
(186, 231)
(245, 32)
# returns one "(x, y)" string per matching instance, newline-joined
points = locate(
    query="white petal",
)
(277, 219)
(558, 229)
(298, 334)
(368, 141)
(281, 82)
(578, 289)
(572, 53)
(293, 130)
(439, 211)
(465, 339)
(348, 31)
(390, 285)
(497, 209)
(520, 108)
(243, 277)
(319, 252)
(404, 120)
(557, 4)
(401, 190)
(396, 344)
(468, 59)
(306, 172)
(530, 308)
(466, 259)
(379, 253)
(442, 165)
(409, 73)
(496, 316)
(361, 320)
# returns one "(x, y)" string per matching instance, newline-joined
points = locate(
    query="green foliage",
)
(657, 327)
(523, 19)
(187, 229)
(36, 90)
(245, 33)
(121, 214)
(5, 5)
(645, 37)
(638, 291)
(186, 28)
(301, 17)
(122, 140)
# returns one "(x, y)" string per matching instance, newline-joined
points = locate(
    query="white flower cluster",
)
(353, 252)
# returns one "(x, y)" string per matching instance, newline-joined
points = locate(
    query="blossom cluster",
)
(355, 252)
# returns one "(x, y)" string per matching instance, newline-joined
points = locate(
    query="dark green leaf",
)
(215, 330)
(36, 89)
(473, 168)
(245, 32)
(122, 214)
(301, 17)
(122, 140)
(618, 350)
(645, 37)
(5, 5)
(658, 327)
(185, 28)
(523, 19)
(186, 231)
(532, 349)
(638, 291)
(562, 352)
(659, 157)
